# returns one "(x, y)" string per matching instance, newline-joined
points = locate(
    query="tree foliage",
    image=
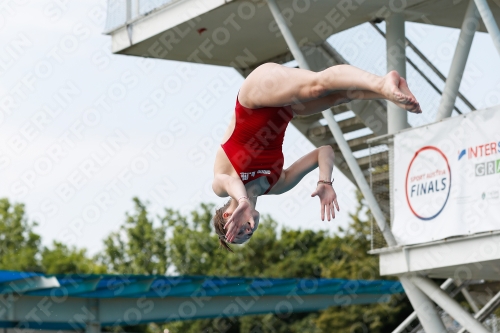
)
(139, 247)
(19, 244)
(64, 259)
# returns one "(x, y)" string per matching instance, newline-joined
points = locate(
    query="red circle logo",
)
(428, 183)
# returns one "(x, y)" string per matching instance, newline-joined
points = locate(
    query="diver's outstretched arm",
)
(324, 158)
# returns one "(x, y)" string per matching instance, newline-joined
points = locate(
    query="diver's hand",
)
(327, 198)
(241, 215)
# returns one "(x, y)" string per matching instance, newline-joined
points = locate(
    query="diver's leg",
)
(336, 98)
(276, 85)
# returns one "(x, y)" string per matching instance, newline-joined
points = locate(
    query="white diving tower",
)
(245, 34)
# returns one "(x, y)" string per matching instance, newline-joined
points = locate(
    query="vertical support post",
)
(489, 22)
(469, 26)
(401, 328)
(93, 324)
(449, 305)
(128, 10)
(424, 307)
(137, 8)
(10, 307)
(397, 118)
(336, 131)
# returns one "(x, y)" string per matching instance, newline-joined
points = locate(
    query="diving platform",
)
(239, 33)
(470, 257)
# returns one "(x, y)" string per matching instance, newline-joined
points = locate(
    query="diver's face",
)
(246, 231)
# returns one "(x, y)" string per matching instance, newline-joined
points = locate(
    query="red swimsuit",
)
(255, 147)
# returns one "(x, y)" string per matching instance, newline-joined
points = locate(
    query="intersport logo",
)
(428, 183)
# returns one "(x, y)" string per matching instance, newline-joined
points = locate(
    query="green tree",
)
(21, 248)
(61, 259)
(20, 245)
(194, 249)
(139, 247)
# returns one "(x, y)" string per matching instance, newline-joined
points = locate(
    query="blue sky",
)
(83, 131)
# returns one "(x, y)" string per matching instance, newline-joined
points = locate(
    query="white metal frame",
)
(459, 61)
(420, 290)
(486, 310)
(489, 22)
(448, 304)
(413, 316)
(397, 121)
(431, 66)
(468, 297)
(397, 118)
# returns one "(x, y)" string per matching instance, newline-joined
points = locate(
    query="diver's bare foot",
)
(395, 89)
(414, 107)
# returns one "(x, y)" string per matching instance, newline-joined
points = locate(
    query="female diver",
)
(249, 163)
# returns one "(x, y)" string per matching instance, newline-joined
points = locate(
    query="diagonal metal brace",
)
(448, 304)
(486, 310)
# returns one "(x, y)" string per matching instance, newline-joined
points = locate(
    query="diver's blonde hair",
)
(219, 223)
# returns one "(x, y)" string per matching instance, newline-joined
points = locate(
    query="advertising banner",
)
(447, 178)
